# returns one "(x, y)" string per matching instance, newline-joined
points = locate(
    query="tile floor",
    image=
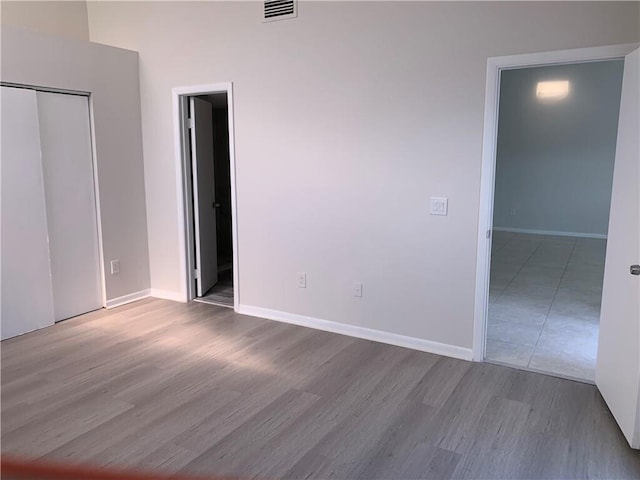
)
(544, 303)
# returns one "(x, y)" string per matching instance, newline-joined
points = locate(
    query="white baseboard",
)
(359, 332)
(167, 295)
(132, 297)
(550, 232)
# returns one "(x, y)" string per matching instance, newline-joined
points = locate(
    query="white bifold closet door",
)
(65, 137)
(49, 265)
(26, 297)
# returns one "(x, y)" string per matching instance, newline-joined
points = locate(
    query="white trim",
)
(132, 297)
(551, 232)
(186, 290)
(177, 152)
(167, 295)
(359, 332)
(561, 57)
(96, 190)
(485, 213)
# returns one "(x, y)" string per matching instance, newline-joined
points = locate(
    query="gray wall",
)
(554, 164)
(111, 75)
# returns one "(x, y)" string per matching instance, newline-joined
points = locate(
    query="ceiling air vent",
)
(279, 10)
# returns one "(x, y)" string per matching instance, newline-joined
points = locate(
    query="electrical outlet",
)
(439, 206)
(302, 280)
(357, 289)
(115, 267)
(512, 212)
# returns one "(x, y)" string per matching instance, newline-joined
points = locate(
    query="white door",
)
(26, 301)
(618, 361)
(204, 205)
(67, 167)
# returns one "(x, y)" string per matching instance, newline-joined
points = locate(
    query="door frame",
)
(96, 188)
(184, 185)
(489, 146)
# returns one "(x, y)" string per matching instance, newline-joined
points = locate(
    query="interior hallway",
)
(545, 294)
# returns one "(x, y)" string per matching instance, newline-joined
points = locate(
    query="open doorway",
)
(213, 248)
(617, 368)
(555, 154)
(206, 161)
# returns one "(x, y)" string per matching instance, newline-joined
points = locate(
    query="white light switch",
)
(115, 267)
(302, 280)
(357, 289)
(439, 206)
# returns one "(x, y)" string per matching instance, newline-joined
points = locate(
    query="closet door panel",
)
(65, 137)
(26, 295)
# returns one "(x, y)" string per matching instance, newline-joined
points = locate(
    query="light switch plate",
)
(115, 267)
(439, 206)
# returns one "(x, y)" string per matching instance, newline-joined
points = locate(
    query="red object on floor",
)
(12, 468)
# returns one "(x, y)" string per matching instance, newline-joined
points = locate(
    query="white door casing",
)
(67, 166)
(485, 213)
(204, 210)
(618, 361)
(182, 163)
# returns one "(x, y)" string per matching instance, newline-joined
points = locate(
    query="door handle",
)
(215, 205)
(634, 269)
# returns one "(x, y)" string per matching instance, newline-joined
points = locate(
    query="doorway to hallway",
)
(207, 165)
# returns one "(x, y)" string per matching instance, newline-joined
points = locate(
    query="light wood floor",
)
(199, 389)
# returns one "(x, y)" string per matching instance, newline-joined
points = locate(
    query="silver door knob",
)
(634, 269)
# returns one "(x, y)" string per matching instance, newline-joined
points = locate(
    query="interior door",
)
(618, 361)
(204, 205)
(27, 301)
(67, 167)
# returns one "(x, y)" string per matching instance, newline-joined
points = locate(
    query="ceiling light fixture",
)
(552, 90)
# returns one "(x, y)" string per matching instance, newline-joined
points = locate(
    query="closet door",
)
(25, 296)
(65, 137)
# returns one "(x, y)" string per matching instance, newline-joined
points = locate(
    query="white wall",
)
(64, 18)
(346, 120)
(554, 165)
(111, 75)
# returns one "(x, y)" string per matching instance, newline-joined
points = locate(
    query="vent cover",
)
(279, 10)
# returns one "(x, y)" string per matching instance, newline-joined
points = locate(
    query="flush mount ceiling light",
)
(552, 90)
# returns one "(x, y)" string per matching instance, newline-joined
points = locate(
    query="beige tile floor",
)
(544, 303)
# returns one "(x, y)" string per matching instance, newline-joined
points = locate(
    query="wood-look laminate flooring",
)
(195, 388)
